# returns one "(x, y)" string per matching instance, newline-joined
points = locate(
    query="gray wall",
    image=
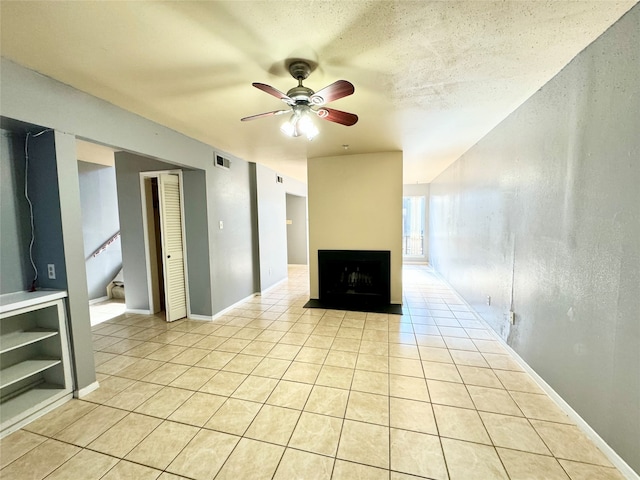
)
(419, 190)
(197, 240)
(230, 263)
(230, 199)
(58, 232)
(99, 204)
(16, 272)
(30, 97)
(297, 242)
(76, 277)
(272, 227)
(543, 214)
(48, 247)
(128, 168)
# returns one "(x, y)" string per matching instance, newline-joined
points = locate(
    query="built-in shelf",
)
(23, 370)
(15, 340)
(30, 400)
(35, 374)
(10, 302)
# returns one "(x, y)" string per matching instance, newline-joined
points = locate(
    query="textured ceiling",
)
(431, 77)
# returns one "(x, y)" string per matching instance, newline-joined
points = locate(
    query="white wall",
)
(355, 203)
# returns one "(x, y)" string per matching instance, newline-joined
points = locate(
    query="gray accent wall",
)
(54, 192)
(543, 215)
(297, 241)
(48, 247)
(100, 222)
(16, 272)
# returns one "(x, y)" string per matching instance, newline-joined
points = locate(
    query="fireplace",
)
(354, 279)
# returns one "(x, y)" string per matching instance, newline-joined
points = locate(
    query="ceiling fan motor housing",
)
(299, 70)
(300, 94)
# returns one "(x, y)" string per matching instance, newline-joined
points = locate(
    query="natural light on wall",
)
(413, 220)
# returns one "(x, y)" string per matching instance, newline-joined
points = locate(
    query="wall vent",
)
(279, 179)
(222, 162)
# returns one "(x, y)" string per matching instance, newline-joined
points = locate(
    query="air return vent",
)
(222, 162)
(279, 179)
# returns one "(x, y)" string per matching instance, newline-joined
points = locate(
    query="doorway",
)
(163, 219)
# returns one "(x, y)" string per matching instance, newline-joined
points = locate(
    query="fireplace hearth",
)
(355, 280)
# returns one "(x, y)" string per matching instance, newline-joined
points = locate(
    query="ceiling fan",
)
(305, 103)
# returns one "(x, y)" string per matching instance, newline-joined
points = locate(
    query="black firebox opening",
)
(354, 278)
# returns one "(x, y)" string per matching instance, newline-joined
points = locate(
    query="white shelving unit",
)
(35, 373)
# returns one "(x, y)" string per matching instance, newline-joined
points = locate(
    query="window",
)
(413, 219)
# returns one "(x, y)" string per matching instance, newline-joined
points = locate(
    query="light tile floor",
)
(275, 391)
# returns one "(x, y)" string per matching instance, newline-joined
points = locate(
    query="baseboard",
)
(140, 312)
(98, 300)
(262, 292)
(86, 390)
(580, 422)
(202, 318)
(231, 307)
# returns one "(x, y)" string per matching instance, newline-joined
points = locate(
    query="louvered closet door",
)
(172, 247)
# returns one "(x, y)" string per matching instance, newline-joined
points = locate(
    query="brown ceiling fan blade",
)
(337, 116)
(273, 91)
(261, 115)
(335, 91)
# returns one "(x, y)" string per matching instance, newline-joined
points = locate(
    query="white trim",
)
(156, 174)
(145, 227)
(184, 245)
(43, 411)
(98, 300)
(139, 312)
(235, 305)
(202, 318)
(262, 292)
(580, 422)
(83, 392)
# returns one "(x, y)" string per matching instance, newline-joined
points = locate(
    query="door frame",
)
(152, 293)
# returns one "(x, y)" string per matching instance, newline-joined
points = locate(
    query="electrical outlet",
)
(221, 224)
(488, 299)
(512, 318)
(51, 271)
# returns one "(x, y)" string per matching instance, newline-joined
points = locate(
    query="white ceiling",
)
(431, 77)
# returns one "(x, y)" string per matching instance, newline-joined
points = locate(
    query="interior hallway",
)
(272, 390)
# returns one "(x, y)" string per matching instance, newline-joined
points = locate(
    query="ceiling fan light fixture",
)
(307, 128)
(288, 127)
(299, 124)
(301, 100)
